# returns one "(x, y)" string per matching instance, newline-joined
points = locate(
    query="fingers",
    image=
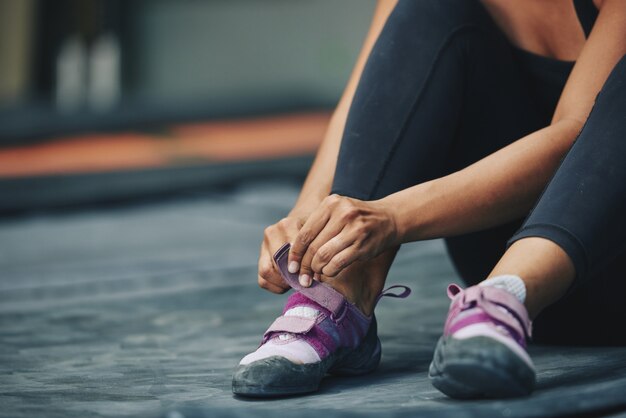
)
(306, 274)
(307, 234)
(264, 284)
(320, 233)
(269, 277)
(340, 251)
(328, 251)
(340, 261)
(339, 232)
(330, 231)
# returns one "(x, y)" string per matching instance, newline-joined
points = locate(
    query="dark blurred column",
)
(80, 54)
(105, 57)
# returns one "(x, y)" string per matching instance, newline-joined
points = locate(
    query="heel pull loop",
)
(387, 292)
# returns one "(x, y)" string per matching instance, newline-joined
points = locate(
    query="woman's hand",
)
(338, 233)
(274, 237)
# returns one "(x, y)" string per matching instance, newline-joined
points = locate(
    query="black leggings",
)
(443, 88)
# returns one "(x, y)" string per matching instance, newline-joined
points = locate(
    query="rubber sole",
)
(276, 376)
(479, 367)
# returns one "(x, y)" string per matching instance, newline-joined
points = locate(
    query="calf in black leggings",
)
(454, 132)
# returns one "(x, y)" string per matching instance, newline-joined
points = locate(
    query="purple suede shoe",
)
(482, 353)
(320, 332)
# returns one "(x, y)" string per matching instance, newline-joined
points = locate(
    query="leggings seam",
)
(446, 42)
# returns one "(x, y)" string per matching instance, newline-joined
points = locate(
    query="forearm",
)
(499, 188)
(320, 178)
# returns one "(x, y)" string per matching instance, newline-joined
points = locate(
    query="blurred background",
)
(111, 100)
(145, 145)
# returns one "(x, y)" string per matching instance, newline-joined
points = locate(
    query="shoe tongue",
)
(302, 312)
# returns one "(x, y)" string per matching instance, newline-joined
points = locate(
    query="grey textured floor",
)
(145, 310)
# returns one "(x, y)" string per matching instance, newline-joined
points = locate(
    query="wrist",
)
(306, 204)
(302, 211)
(396, 234)
(411, 212)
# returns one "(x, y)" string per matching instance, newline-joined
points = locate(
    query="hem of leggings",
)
(352, 195)
(561, 237)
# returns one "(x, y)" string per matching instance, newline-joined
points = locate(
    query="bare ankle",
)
(362, 282)
(356, 289)
(545, 268)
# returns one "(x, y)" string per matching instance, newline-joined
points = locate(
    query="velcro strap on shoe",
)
(291, 324)
(487, 298)
(319, 292)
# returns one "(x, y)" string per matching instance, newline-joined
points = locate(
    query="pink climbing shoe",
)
(319, 333)
(482, 353)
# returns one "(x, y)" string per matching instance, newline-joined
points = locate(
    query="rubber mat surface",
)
(145, 310)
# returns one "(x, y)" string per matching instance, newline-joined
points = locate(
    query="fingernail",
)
(305, 280)
(293, 267)
(316, 277)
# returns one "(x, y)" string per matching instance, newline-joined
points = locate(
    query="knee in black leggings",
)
(422, 103)
(432, 20)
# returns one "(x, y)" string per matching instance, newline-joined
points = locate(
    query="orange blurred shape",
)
(196, 143)
(251, 139)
